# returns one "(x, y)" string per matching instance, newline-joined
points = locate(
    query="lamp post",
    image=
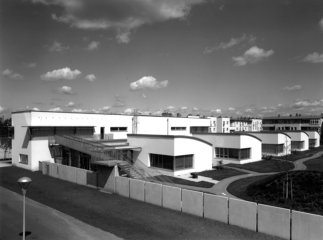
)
(24, 182)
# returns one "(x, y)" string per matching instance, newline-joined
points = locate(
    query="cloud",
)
(122, 17)
(128, 111)
(63, 73)
(12, 75)
(218, 110)
(231, 109)
(65, 90)
(90, 77)
(1, 109)
(252, 55)
(321, 23)
(57, 47)
(148, 82)
(56, 109)
(105, 108)
(70, 104)
(292, 88)
(314, 58)
(78, 110)
(307, 103)
(231, 43)
(93, 45)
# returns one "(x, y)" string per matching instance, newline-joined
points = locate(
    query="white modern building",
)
(274, 143)
(314, 139)
(33, 129)
(171, 155)
(299, 140)
(237, 148)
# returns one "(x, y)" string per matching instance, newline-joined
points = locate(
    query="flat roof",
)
(271, 132)
(230, 134)
(109, 114)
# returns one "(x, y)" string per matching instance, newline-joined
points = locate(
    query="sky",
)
(210, 57)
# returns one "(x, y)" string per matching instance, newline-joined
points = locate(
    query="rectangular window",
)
(118, 129)
(232, 153)
(23, 158)
(297, 145)
(183, 162)
(199, 129)
(178, 128)
(312, 142)
(162, 161)
(272, 148)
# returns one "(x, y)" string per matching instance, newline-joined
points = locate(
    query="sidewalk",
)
(122, 217)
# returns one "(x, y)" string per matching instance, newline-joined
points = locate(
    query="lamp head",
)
(24, 182)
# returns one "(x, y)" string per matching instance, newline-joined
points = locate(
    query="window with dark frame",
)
(171, 162)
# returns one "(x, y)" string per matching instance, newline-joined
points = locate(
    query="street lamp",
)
(24, 182)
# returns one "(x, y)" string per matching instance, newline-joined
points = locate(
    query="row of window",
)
(178, 128)
(272, 148)
(297, 144)
(232, 153)
(171, 162)
(118, 129)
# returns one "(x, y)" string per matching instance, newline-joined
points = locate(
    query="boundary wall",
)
(68, 173)
(276, 221)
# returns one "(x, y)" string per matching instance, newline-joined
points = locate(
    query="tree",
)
(5, 135)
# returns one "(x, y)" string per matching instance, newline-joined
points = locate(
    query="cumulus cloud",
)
(148, 82)
(105, 108)
(90, 77)
(78, 110)
(122, 17)
(63, 73)
(93, 45)
(307, 103)
(252, 55)
(1, 109)
(65, 90)
(128, 111)
(314, 58)
(218, 110)
(293, 88)
(56, 109)
(231, 109)
(70, 104)
(231, 43)
(57, 47)
(8, 73)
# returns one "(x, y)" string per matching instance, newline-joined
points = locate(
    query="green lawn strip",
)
(265, 166)
(315, 164)
(170, 179)
(220, 173)
(306, 196)
(299, 155)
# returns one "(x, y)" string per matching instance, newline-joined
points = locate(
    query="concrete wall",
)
(172, 198)
(306, 226)
(192, 202)
(216, 207)
(314, 135)
(274, 221)
(153, 193)
(243, 214)
(137, 189)
(122, 186)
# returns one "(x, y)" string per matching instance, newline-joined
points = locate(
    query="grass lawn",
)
(315, 164)
(170, 179)
(298, 155)
(304, 191)
(266, 166)
(121, 216)
(220, 174)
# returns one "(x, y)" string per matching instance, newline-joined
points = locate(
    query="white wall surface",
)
(299, 136)
(173, 146)
(314, 135)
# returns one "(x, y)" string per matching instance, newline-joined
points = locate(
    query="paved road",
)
(43, 222)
